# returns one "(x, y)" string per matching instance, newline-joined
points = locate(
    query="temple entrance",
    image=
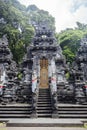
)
(43, 73)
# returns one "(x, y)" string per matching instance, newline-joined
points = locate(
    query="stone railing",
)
(35, 91)
(54, 101)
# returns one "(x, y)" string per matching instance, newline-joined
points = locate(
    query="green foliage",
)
(70, 40)
(81, 26)
(68, 53)
(19, 51)
(13, 15)
(27, 35)
(67, 75)
(19, 75)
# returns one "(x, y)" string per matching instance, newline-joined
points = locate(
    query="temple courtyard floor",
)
(44, 128)
(43, 124)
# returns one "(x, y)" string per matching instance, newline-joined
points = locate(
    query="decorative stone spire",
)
(8, 73)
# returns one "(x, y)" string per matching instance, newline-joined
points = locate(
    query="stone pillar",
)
(53, 88)
(54, 106)
(34, 105)
(34, 91)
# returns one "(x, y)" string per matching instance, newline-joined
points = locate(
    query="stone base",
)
(46, 122)
(55, 114)
(34, 115)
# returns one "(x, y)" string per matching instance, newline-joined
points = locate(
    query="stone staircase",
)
(15, 111)
(72, 111)
(44, 109)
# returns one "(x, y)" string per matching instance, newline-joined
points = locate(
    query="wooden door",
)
(44, 73)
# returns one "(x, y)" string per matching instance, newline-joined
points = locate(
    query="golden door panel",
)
(44, 73)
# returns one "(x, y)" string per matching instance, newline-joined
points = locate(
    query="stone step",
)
(44, 89)
(15, 112)
(41, 96)
(44, 95)
(44, 111)
(47, 122)
(71, 109)
(72, 112)
(15, 116)
(71, 106)
(72, 115)
(44, 108)
(44, 92)
(15, 105)
(45, 115)
(15, 109)
(44, 103)
(44, 98)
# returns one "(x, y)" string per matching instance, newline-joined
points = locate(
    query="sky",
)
(66, 12)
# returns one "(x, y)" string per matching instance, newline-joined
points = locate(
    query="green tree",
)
(14, 14)
(69, 40)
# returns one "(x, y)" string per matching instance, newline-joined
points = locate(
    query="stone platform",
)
(44, 122)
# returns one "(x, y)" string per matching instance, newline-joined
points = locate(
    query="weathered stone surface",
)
(8, 73)
(78, 73)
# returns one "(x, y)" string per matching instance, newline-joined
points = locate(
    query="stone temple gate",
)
(48, 66)
(43, 86)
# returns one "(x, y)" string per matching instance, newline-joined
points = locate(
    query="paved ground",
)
(44, 128)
